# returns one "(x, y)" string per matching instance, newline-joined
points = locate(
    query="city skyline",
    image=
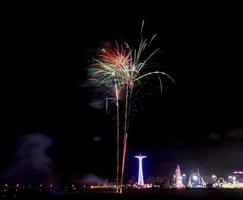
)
(49, 104)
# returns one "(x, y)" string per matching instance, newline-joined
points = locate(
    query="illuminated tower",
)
(178, 177)
(140, 171)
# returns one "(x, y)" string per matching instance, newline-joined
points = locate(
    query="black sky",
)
(198, 123)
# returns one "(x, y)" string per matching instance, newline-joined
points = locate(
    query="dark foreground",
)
(136, 195)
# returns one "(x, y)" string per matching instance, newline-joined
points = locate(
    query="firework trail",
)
(115, 95)
(121, 68)
(134, 75)
(117, 138)
(104, 72)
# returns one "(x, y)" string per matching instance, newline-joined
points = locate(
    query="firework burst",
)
(120, 68)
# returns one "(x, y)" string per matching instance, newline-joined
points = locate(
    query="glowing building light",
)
(214, 176)
(196, 181)
(178, 177)
(140, 171)
(238, 172)
(195, 177)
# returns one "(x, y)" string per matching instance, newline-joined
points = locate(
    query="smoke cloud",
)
(32, 164)
(92, 179)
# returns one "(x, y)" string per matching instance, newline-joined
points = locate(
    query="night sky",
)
(197, 123)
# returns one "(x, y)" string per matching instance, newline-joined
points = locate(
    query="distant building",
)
(178, 178)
